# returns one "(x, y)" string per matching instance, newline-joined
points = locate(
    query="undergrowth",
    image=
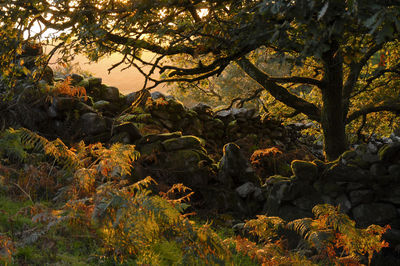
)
(80, 206)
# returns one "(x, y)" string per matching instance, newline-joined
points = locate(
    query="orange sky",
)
(126, 81)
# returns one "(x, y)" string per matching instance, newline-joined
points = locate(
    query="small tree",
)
(338, 37)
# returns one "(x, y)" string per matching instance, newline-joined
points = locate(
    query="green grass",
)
(10, 220)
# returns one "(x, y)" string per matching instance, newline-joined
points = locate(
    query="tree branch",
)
(394, 69)
(302, 80)
(355, 70)
(278, 92)
(393, 107)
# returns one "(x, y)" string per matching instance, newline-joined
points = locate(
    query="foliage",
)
(333, 234)
(101, 216)
(353, 241)
(65, 88)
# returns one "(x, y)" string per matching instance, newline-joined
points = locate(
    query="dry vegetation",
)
(81, 206)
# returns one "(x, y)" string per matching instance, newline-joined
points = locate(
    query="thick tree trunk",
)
(333, 114)
(333, 126)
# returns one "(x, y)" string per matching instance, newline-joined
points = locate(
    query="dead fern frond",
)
(177, 189)
(65, 88)
(302, 226)
(265, 227)
(116, 161)
(57, 149)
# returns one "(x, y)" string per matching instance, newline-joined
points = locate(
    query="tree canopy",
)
(339, 38)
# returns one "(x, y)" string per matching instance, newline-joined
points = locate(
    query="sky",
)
(127, 81)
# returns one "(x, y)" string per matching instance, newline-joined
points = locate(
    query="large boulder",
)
(374, 213)
(93, 124)
(234, 169)
(184, 142)
(188, 166)
(362, 196)
(111, 94)
(303, 170)
(390, 152)
(128, 129)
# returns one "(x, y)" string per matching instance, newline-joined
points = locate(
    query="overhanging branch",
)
(278, 92)
(355, 70)
(393, 107)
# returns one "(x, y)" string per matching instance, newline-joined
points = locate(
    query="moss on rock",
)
(304, 170)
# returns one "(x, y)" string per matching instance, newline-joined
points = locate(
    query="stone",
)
(372, 148)
(374, 213)
(51, 112)
(122, 137)
(275, 179)
(150, 148)
(184, 142)
(308, 201)
(369, 158)
(361, 196)
(394, 170)
(232, 127)
(157, 95)
(94, 82)
(390, 152)
(111, 94)
(202, 108)
(243, 112)
(246, 190)
(190, 167)
(62, 104)
(84, 108)
(234, 167)
(298, 188)
(355, 186)
(344, 203)
(84, 83)
(130, 129)
(394, 137)
(350, 173)
(320, 165)
(75, 78)
(387, 140)
(93, 124)
(224, 114)
(130, 98)
(222, 199)
(304, 170)
(378, 169)
(159, 137)
(101, 105)
(326, 187)
(361, 149)
(393, 196)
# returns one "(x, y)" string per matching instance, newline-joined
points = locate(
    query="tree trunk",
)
(332, 115)
(333, 126)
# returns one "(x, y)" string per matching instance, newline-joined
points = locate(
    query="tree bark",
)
(332, 116)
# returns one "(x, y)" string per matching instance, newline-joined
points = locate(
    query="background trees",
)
(336, 39)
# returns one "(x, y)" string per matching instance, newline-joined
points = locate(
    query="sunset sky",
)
(126, 81)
